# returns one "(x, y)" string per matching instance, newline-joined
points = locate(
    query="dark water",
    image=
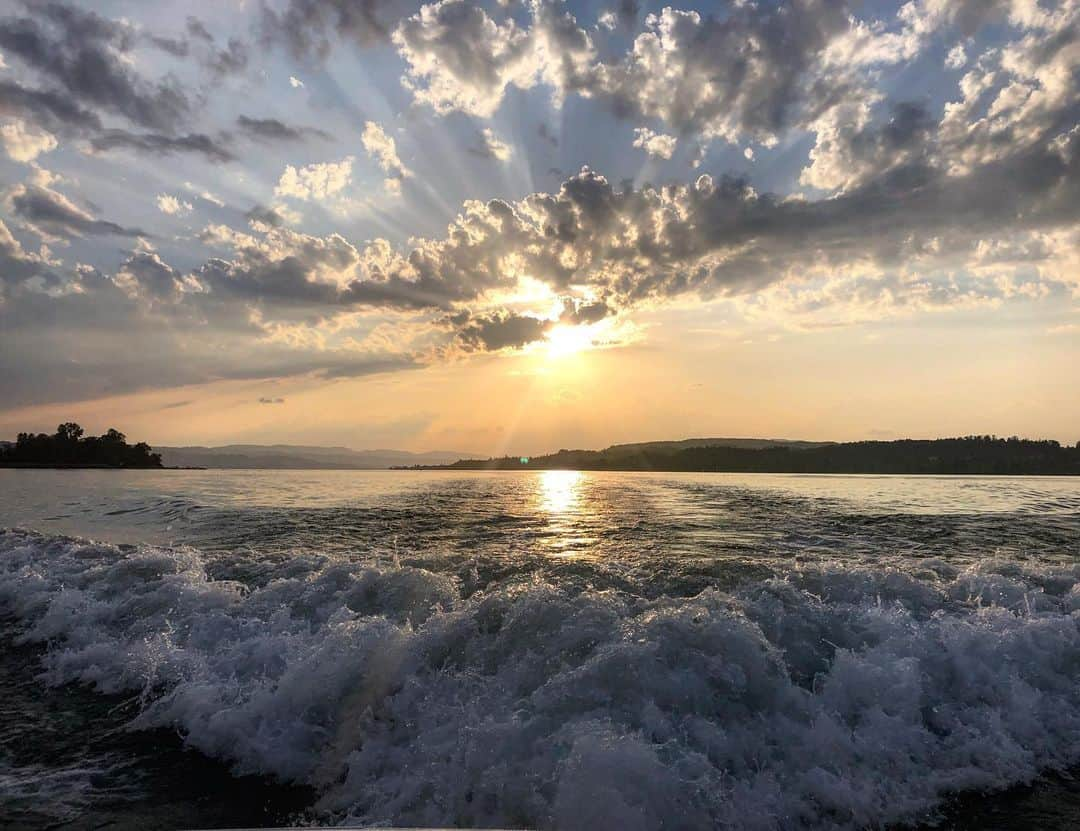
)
(551, 649)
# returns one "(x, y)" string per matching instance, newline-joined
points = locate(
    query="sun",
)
(563, 341)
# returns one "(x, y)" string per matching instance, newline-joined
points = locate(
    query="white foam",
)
(830, 698)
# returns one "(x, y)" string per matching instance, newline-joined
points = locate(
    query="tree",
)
(69, 431)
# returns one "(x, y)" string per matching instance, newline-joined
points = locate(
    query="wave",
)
(829, 697)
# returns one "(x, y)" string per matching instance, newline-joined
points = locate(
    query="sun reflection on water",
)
(560, 490)
(562, 498)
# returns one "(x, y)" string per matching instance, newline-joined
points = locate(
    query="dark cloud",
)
(309, 28)
(177, 47)
(756, 63)
(80, 51)
(264, 216)
(162, 145)
(55, 111)
(851, 148)
(545, 133)
(271, 400)
(489, 146)
(51, 213)
(271, 129)
(197, 30)
(174, 349)
(148, 274)
(583, 312)
(231, 60)
(500, 330)
(17, 265)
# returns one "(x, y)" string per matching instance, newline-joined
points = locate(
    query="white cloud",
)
(295, 82)
(202, 193)
(492, 147)
(172, 206)
(24, 143)
(460, 58)
(383, 150)
(43, 178)
(315, 181)
(956, 58)
(655, 144)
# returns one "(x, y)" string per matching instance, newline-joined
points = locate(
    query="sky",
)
(514, 227)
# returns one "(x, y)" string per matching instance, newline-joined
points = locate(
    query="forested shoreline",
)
(968, 455)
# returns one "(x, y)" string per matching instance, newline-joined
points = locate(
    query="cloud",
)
(231, 60)
(24, 143)
(271, 400)
(655, 144)
(545, 133)
(18, 265)
(48, 109)
(461, 59)
(197, 30)
(50, 213)
(498, 330)
(176, 347)
(578, 312)
(309, 28)
(752, 72)
(271, 129)
(162, 145)
(295, 82)
(489, 146)
(852, 148)
(145, 273)
(172, 206)
(956, 58)
(84, 54)
(710, 237)
(263, 217)
(381, 147)
(315, 181)
(205, 194)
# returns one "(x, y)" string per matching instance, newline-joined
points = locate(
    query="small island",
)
(69, 447)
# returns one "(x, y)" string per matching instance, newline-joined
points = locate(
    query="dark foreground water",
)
(554, 650)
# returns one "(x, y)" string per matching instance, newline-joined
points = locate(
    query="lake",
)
(533, 649)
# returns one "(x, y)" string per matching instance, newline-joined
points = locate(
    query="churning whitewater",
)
(821, 693)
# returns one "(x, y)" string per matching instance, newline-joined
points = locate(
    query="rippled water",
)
(534, 649)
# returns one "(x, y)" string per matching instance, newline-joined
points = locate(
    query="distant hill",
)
(298, 457)
(685, 444)
(971, 455)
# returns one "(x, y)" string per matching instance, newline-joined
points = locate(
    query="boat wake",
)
(827, 697)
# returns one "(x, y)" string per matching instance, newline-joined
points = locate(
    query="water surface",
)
(549, 649)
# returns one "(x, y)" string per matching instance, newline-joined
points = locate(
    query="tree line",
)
(973, 455)
(69, 446)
